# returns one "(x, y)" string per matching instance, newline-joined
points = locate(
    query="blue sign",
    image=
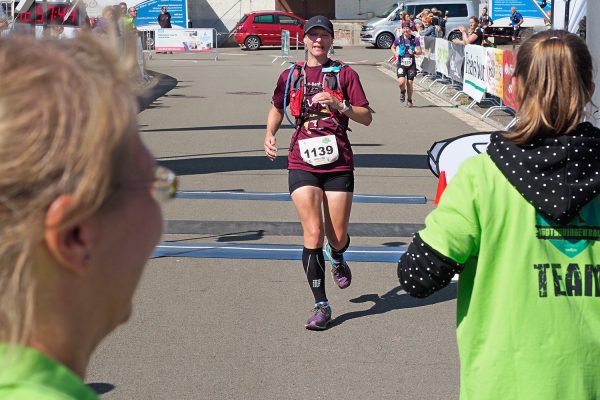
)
(531, 9)
(148, 12)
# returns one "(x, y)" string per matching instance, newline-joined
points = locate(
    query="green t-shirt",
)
(26, 374)
(528, 307)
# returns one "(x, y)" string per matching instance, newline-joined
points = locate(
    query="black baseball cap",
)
(319, 21)
(406, 24)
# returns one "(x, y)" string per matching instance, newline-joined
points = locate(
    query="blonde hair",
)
(554, 72)
(65, 109)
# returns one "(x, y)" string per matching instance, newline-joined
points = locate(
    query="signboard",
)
(428, 47)
(285, 43)
(508, 68)
(447, 155)
(493, 72)
(533, 14)
(474, 73)
(147, 11)
(441, 56)
(457, 58)
(184, 40)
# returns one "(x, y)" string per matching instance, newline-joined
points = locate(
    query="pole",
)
(567, 7)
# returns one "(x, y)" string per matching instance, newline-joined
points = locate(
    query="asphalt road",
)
(230, 325)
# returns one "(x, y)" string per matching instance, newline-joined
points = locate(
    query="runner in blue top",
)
(516, 20)
(405, 48)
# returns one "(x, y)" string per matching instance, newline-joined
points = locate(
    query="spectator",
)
(516, 20)
(3, 18)
(107, 22)
(78, 211)
(485, 20)
(164, 18)
(428, 29)
(519, 223)
(473, 35)
(129, 19)
(423, 14)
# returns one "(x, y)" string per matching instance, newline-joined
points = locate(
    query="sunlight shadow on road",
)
(394, 300)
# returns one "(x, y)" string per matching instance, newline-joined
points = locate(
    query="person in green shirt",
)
(521, 225)
(79, 209)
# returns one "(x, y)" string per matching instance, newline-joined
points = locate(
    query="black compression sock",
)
(314, 268)
(337, 254)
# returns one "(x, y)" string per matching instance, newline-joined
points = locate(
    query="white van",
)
(380, 31)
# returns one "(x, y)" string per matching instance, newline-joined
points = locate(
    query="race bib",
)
(319, 150)
(406, 61)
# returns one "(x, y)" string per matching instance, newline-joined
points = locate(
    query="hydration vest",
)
(331, 84)
(412, 46)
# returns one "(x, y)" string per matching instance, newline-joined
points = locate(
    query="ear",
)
(514, 81)
(70, 245)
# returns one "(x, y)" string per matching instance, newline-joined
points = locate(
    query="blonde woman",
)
(78, 210)
(521, 225)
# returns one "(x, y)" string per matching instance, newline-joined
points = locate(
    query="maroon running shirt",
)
(324, 124)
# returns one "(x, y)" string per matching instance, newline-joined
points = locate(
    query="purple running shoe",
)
(320, 318)
(339, 269)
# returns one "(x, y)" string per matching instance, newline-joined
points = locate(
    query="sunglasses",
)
(163, 185)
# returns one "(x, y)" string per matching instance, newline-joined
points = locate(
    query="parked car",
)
(380, 30)
(264, 29)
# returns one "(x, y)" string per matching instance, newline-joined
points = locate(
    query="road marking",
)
(450, 108)
(284, 196)
(371, 254)
(271, 252)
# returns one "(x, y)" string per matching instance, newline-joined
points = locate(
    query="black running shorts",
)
(327, 181)
(408, 72)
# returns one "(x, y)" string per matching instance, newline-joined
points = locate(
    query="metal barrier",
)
(452, 81)
(192, 40)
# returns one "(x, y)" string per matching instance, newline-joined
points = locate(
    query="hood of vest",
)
(558, 175)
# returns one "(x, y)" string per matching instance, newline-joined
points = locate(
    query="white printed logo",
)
(316, 283)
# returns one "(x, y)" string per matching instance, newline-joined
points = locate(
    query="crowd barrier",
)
(482, 73)
(192, 40)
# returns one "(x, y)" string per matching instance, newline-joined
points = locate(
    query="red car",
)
(264, 29)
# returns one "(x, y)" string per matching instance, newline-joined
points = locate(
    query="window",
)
(455, 10)
(245, 17)
(264, 19)
(287, 20)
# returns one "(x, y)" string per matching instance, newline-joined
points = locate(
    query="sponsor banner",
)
(508, 68)
(493, 72)
(456, 61)
(184, 40)
(147, 11)
(428, 46)
(441, 56)
(285, 43)
(533, 14)
(474, 73)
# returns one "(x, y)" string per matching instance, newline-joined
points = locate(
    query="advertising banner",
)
(493, 72)
(441, 56)
(285, 43)
(184, 40)
(508, 67)
(428, 47)
(474, 73)
(147, 11)
(457, 58)
(532, 11)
